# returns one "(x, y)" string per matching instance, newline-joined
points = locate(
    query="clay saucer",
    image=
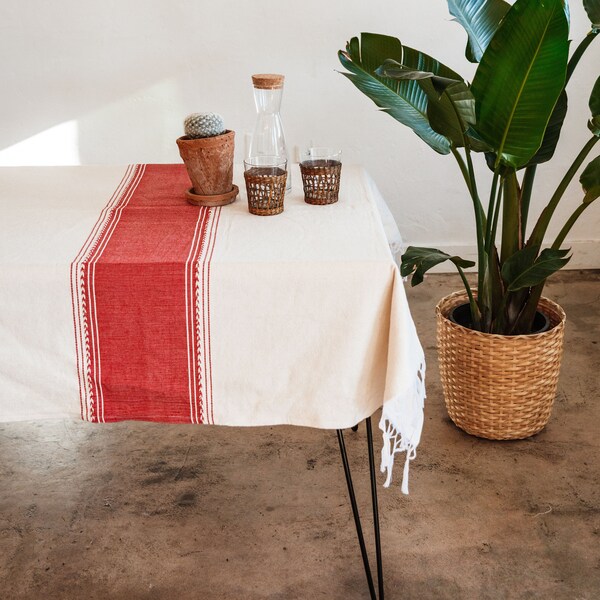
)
(215, 200)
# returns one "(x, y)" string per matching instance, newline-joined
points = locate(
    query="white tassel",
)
(388, 452)
(386, 455)
(391, 433)
(404, 487)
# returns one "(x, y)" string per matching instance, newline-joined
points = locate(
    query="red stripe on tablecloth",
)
(194, 377)
(203, 316)
(207, 309)
(79, 268)
(95, 372)
(139, 302)
(75, 296)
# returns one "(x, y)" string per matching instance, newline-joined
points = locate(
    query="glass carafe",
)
(268, 138)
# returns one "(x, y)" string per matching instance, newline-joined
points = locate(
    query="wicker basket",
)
(499, 387)
(265, 187)
(321, 181)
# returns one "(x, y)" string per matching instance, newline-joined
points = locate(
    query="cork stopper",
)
(267, 81)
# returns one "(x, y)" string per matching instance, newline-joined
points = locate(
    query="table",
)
(118, 300)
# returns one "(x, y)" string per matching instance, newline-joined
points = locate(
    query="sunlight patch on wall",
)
(140, 127)
(58, 145)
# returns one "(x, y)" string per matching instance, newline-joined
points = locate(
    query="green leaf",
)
(553, 129)
(594, 102)
(521, 260)
(450, 107)
(592, 194)
(480, 19)
(404, 100)
(590, 180)
(395, 70)
(592, 8)
(476, 142)
(419, 260)
(453, 113)
(594, 126)
(520, 78)
(549, 261)
(490, 159)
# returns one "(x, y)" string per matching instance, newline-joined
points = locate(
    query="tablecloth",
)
(118, 300)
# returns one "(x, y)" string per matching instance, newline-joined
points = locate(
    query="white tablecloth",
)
(309, 323)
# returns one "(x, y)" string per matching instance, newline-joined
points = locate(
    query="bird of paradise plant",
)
(512, 112)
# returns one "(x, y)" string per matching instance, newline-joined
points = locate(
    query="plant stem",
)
(469, 176)
(490, 211)
(499, 323)
(511, 217)
(567, 227)
(462, 166)
(483, 302)
(526, 190)
(478, 207)
(495, 285)
(579, 51)
(479, 224)
(537, 235)
(525, 320)
(496, 215)
(475, 314)
(493, 280)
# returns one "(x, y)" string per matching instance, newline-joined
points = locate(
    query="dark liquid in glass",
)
(320, 163)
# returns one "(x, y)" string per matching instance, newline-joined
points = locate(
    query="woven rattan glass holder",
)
(499, 387)
(321, 180)
(265, 187)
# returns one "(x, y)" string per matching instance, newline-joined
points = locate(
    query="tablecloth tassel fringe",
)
(393, 440)
(388, 452)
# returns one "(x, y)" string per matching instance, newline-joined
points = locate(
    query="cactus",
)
(202, 125)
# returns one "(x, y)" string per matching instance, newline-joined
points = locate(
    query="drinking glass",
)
(266, 178)
(321, 168)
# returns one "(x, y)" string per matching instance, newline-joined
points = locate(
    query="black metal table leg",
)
(359, 533)
(375, 509)
(357, 522)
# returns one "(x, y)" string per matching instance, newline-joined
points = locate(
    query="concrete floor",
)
(138, 510)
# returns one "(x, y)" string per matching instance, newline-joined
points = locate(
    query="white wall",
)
(110, 82)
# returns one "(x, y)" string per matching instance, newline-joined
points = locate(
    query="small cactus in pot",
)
(202, 125)
(207, 151)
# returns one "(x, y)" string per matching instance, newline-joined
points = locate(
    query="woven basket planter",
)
(499, 387)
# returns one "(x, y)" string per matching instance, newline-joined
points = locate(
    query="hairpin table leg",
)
(375, 509)
(359, 532)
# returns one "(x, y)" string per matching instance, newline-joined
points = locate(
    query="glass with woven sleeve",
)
(265, 178)
(321, 170)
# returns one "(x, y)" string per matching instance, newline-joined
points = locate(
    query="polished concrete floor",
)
(138, 510)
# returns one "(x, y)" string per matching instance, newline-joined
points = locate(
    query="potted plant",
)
(499, 375)
(207, 151)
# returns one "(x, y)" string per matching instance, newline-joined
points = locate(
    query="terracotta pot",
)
(499, 387)
(209, 163)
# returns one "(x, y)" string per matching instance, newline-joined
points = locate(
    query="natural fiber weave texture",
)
(321, 181)
(266, 189)
(496, 386)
